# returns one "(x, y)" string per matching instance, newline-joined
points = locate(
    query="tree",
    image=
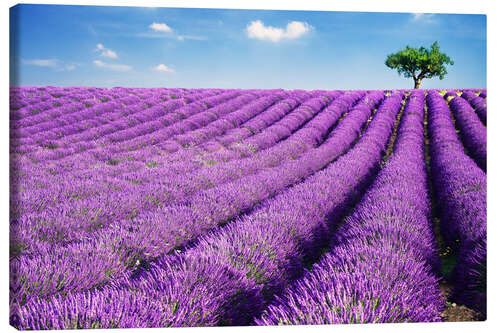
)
(419, 63)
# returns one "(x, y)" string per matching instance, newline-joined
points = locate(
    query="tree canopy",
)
(419, 63)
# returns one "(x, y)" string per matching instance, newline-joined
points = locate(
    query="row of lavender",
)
(117, 238)
(460, 187)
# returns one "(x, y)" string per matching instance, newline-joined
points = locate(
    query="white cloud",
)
(160, 27)
(294, 29)
(105, 52)
(109, 54)
(424, 18)
(258, 30)
(163, 68)
(162, 30)
(115, 67)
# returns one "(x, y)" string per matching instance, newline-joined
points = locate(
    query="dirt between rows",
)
(455, 312)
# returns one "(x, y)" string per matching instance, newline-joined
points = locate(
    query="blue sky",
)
(202, 48)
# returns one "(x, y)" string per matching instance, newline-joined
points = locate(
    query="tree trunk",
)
(417, 83)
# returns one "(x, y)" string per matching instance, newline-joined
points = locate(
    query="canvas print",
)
(227, 167)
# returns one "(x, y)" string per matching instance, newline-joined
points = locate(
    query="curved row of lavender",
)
(107, 190)
(478, 102)
(380, 267)
(472, 131)
(460, 186)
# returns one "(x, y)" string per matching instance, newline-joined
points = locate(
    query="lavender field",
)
(156, 207)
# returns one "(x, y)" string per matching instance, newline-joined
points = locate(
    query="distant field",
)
(135, 207)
